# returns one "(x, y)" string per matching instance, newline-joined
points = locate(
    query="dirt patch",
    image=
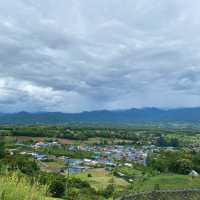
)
(65, 141)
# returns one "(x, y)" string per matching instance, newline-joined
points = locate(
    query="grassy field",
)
(108, 140)
(11, 187)
(35, 139)
(166, 182)
(101, 178)
(19, 189)
(52, 166)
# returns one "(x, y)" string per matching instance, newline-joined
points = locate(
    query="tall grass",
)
(13, 187)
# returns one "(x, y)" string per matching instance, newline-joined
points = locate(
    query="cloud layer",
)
(75, 55)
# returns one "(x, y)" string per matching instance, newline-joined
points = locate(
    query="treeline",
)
(70, 133)
(136, 135)
(164, 142)
(179, 161)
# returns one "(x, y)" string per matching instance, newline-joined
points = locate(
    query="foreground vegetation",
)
(14, 186)
(166, 182)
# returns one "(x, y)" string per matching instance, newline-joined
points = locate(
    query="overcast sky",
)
(75, 55)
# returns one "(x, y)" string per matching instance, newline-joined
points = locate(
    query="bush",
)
(78, 183)
(108, 192)
(47, 178)
(57, 188)
(25, 164)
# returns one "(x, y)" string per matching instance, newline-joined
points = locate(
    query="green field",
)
(166, 182)
(101, 178)
(52, 166)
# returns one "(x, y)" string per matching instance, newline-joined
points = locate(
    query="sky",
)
(77, 55)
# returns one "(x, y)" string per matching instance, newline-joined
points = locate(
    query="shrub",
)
(57, 188)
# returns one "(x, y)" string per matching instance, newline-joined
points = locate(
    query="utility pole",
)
(68, 168)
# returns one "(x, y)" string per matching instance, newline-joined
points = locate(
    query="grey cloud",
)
(74, 55)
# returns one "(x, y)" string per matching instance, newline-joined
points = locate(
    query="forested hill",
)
(131, 115)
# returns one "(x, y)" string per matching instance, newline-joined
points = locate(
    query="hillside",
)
(123, 116)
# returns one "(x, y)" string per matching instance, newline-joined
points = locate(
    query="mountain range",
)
(134, 115)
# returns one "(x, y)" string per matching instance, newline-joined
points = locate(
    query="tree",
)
(25, 164)
(183, 166)
(161, 142)
(57, 188)
(174, 142)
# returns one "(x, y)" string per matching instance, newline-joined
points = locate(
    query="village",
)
(97, 159)
(96, 156)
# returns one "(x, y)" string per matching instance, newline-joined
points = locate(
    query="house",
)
(43, 145)
(120, 174)
(193, 173)
(71, 161)
(75, 169)
(39, 156)
(40, 144)
(128, 165)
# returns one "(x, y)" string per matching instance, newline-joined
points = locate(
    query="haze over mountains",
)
(133, 115)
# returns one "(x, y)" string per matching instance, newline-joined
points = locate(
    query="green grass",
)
(53, 165)
(130, 172)
(166, 182)
(101, 178)
(14, 188)
(95, 140)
